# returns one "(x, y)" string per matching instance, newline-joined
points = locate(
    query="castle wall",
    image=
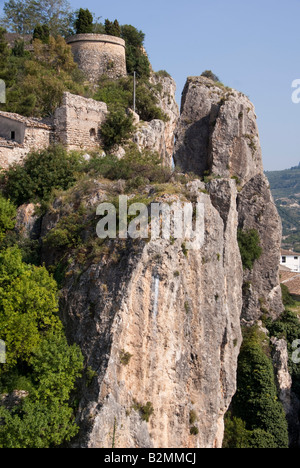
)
(99, 54)
(77, 123)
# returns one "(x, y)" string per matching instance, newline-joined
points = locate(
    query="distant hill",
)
(285, 187)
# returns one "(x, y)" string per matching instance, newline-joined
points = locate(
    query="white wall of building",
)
(291, 261)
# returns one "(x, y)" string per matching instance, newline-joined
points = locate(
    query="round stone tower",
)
(99, 54)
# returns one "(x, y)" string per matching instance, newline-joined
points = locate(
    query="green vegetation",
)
(43, 418)
(41, 368)
(286, 297)
(112, 28)
(194, 430)
(137, 168)
(42, 172)
(118, 94)
(136, 59)
(285, 187)
(250, 249)
(145, 411)
(67, 233)
(7, 216)
(42, 32)
(288, 327)
(193, 417)
(117, 129)
(84, 22)
(39, 360)
(35, 81)
(125, 358)
(209, 74)
(256, 418)
(22, 16)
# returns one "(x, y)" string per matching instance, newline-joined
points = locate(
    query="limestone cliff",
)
(177, 314)
(159, 326)
(217, 136)
(158, 135)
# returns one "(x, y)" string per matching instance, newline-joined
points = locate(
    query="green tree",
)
(136, 58)
(117, 128)
(256, 401)
(28, 306)
(39, 359)
(18, 49)
(43, 419)
(54, 53)
(22, 16)
(42, 32)
(119, 94)
(112, 28)
(84, 22)
(7, 216)
(42, 172)
(4, 50)
(35, 82)
(132, 36)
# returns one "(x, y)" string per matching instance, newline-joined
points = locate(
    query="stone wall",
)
(29, 137)
(77, 123)
(99, 54)
(38, 137)
(11, 153)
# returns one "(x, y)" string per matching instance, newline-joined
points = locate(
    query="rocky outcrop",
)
(151, 136)
(159, 325)
(289, 400)
(167, 102)
(163, 328)
(28, 222)
(158, 135)
(217, 136)
(217, 132)
(262, 291)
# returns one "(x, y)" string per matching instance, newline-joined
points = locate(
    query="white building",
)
(290, 260)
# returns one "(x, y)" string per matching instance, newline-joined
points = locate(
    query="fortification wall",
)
(78, 121)
(99, 54)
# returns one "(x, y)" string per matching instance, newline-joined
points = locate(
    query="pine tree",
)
(112, 28)
(84, 22)
(42, 32)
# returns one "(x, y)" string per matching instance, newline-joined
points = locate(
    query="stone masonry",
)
(99, 54)
(18, 135)
(76, 125)
(77, 122)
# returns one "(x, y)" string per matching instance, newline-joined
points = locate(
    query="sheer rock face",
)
(217, 134)
(262, 291)
(177, 314)
(158, 135)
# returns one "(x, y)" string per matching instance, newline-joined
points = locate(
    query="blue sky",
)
(252, 46)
